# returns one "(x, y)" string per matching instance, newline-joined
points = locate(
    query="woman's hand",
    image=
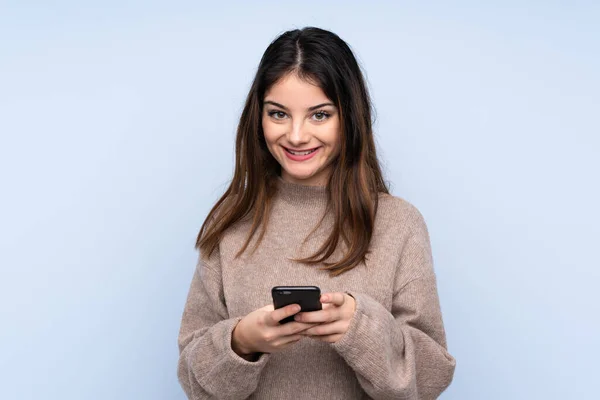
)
(260, 331)
(333, 320)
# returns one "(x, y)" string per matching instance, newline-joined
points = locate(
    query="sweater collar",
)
(302, 195)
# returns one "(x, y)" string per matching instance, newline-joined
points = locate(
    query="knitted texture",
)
(395, 347)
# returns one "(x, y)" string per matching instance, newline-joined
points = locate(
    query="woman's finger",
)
(337, 298)
(337, 327)
(329, 314)
(282, 313)
(293, 328)
(285, 340)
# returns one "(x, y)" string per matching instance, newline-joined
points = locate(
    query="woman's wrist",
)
(238, 346)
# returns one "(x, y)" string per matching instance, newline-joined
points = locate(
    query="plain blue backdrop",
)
(117, 121)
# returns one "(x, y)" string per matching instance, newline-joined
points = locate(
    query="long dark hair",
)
(323, 58)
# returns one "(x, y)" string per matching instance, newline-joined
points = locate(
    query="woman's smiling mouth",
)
(300, 155)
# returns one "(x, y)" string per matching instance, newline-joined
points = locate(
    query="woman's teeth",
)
(301, 153)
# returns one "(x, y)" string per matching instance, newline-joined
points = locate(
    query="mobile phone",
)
(308, 297)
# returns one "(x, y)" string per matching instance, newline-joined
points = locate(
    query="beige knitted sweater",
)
(395, 347)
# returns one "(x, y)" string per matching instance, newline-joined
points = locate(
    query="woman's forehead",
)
(296, 93)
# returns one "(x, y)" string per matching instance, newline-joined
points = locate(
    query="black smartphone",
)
(308, 297)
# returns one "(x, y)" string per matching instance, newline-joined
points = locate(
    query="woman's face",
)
(302, 130)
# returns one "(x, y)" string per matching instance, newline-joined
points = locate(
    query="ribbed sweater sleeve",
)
(402, 354)
(208, 367)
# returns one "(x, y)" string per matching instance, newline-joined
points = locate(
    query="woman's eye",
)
(277, 114)
(321, 116)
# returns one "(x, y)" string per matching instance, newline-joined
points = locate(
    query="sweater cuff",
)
(370, 324)
(225, 366)
(235, 358)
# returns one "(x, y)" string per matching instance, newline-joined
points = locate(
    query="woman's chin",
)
(303, 177)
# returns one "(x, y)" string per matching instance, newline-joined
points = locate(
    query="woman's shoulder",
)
(396, 211)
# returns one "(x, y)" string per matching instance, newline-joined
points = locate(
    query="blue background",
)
(117, 121)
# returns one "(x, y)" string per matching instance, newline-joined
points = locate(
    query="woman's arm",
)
(208, 367)
(402, 354)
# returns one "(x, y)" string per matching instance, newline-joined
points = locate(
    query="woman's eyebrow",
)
(309, 109)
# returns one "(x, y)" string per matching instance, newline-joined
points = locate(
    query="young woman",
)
(307, 205)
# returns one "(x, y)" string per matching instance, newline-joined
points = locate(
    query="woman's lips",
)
(300, 157)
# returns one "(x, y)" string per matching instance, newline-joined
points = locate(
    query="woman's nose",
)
(298, 134)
